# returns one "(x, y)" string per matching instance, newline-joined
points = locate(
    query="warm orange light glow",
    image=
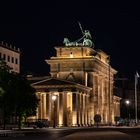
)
(74, 118)
(60, 118)
(84, 90)
(54, 97)
(71, 55)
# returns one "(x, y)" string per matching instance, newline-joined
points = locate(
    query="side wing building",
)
(11, 56)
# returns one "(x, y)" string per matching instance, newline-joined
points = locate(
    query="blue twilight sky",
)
(36, 27)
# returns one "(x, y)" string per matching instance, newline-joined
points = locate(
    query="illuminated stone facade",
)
(11, 56)
(82, 80)
(71, 107)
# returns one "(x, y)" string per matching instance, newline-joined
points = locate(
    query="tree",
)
(17, 95)
(4, 85)
(23, 97)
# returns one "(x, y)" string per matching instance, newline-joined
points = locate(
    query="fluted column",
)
(108, 99)
(69, 109)
(78, 108)
(95, 107)
(84, 109)
(47, 106)
(65, 109)
(50, 106)
(111, 102)
(57, 109)
(103, 100)
(74, 109)
(101, 96)
(61, 109)
(40, 107)
(44, 105)
(88, 108)
(81, 110)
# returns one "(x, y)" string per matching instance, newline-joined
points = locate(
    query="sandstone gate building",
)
(82, 81)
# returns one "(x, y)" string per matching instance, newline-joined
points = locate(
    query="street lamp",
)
(54, 104)
(127, 102)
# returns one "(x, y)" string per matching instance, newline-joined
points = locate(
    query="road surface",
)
(74, 134)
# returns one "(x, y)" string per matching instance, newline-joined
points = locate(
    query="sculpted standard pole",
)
(136, 109)
(136, 100)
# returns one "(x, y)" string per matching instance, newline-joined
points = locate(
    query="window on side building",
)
(12, 59)
(4, 56)
(16, 61)
(8, 58)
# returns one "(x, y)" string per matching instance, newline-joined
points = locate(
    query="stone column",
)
(65, 108)
(111, 102)
(115, 108)
(61, 100)
(74, 109)
(50, 113)
(57, 109)
(83, 119)
(88, 109)
(78, 108)
(69, 109)
(108, 101)
(40, 107)
(103, 99)
(98, 95)
(85, 105)
(80, 111)
(95, 107)
(86, 78)
(44, 106)
(47, 106)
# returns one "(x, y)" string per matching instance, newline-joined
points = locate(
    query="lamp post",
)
(136, 99)
(127, 102)
(54, 113)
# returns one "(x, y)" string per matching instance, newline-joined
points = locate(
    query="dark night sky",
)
(37, 27)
